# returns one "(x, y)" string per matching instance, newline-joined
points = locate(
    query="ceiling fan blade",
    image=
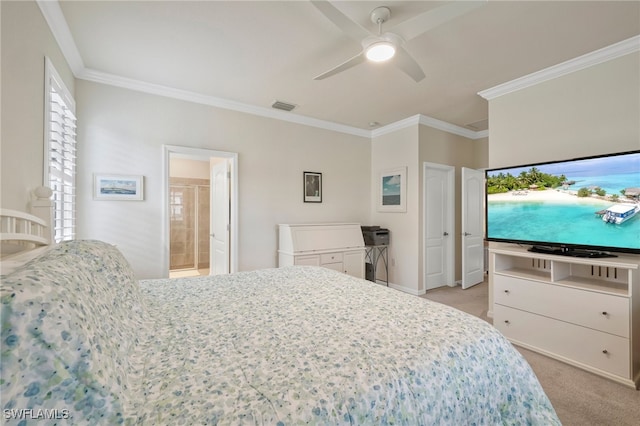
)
(406, 63)
(358, 59)
(412, 28)
(349, 27)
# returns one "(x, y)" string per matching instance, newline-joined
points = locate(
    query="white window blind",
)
(60, 153)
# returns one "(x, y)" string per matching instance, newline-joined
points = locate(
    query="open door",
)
(225, 188)
(219, 219)
(472, 227)
(439, 211)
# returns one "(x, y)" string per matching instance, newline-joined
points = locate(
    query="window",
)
(60, 153)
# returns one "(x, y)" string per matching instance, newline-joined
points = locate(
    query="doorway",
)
(189, 212)
(439, 225)
(200, 232)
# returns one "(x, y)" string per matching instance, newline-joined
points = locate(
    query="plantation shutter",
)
(60, 153)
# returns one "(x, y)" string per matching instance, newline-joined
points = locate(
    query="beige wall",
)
(389, 151)
(191, 169)
(122, 131)
(588, 112)
(411, 147)
(26, 40)
(437, 146)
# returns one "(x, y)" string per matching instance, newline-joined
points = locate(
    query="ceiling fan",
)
(385, 46)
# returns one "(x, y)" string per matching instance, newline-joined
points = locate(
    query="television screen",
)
(588, 203)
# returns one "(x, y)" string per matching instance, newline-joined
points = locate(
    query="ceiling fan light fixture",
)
(380, 51)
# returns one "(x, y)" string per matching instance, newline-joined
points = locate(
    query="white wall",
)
(26, 40)
(122, 131)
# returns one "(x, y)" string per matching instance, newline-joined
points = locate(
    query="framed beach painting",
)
(393, 190)
(118, 187)
(312, 187)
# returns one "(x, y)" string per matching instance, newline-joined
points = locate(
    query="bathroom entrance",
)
(200, 212)
(189, 210)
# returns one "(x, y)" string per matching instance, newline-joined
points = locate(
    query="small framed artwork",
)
(118, 187)
(312, 187)
(393, 190)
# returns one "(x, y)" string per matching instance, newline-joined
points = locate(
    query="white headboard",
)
(22, 230)
(21, 233)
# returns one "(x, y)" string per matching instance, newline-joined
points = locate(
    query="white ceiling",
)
(256, 52)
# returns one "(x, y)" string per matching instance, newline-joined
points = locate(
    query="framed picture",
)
(393, 190)
(118, 187)
(312, 187)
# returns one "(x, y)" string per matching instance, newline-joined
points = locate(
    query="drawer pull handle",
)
(506, 321)
(605, 351)
(506, 291)
(605, 313)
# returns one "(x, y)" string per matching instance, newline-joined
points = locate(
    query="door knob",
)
(445, 234)
(466, 234)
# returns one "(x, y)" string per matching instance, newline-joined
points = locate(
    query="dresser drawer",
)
(339, 266)
(599, 311)
(594, 348)
(313, 260)
(330, 258)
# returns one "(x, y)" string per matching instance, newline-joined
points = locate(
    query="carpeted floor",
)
(579, 397)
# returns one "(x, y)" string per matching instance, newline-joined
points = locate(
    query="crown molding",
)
(198, 98)
(449, 128)
(57, 23)
(424, 120)
(596, 57)
(398, 125)
(184, 95)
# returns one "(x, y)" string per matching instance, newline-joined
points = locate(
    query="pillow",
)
(70, 318)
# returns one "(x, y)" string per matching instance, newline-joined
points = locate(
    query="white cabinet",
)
(585, 312)
(337, 246)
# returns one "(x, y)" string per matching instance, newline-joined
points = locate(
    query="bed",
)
(84, 341)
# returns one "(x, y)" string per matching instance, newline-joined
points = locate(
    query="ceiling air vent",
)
(478, 125)
(283, 106)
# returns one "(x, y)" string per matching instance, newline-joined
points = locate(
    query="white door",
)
(438, 225)
(219, 219)
(472, 227)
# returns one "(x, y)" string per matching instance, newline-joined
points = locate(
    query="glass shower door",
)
(182, 227)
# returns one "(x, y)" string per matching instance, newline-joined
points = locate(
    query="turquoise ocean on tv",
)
(560, 223)
(569, 223)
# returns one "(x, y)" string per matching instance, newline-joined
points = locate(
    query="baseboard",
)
(403, 289)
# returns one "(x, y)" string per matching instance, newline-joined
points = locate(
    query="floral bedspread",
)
(306, 345)
(83, 342)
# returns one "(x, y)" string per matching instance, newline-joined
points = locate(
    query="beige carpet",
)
(579, 397)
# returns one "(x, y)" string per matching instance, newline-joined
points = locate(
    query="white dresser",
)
(585, 312)
(337, 246)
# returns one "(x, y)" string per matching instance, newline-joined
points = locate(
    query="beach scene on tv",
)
(588, 202)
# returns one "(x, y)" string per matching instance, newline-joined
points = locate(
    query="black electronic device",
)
(375, 236)
(582, 207)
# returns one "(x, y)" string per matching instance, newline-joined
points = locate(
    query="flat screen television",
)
(584, 207)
